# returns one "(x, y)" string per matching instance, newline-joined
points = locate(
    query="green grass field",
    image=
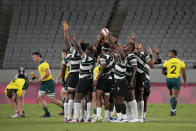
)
(158, 120)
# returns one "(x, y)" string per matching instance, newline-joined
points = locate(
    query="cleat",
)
(141, 120)
(134, 120)
(65, 119)
(96, 119)
(61, 114)
(16, 116)
(46, 115)
(81, 121)
(73, 121)
(173, 113)
(88, 121)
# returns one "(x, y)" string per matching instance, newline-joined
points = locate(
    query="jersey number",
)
(173, 69)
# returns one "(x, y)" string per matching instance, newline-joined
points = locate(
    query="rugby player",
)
(142, 59)
(103, 81)
(63, 74)
(172, 69)
(15, 95)
(84, 85)
(73, 75)
(47, 84)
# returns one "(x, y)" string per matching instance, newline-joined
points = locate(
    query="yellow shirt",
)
(18, 84)
(43, 65)
(173, 66)
(95, 72)
(66, 70)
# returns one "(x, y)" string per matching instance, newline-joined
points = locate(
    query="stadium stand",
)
(163, 23)
(36, 26)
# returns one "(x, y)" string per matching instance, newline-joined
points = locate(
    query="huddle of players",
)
(123, 77)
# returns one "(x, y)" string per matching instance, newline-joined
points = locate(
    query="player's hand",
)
(65, 25)
(149, 51)
(95, 83)
(73, 36)
(56, 82)
(133, 36)
(33, 77)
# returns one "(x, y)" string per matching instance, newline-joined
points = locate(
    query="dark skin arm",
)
(164, 71)
(151, 62)
(66, 37)
(158, 57)
(133, 76)
(76, 45)
(61, 73)
(183, 70)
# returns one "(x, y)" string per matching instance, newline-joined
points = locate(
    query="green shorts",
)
(173, 83)
(26, 85)
(47, 87)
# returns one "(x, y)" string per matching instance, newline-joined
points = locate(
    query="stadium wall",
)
(156, 76)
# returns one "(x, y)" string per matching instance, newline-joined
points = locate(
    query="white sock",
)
(144, 114)
(130, 113)
(118, 115)
(65, 110)
(70, 107)
(77, 108)
(134, 107)
(82, 111)
(99, 112)
(107, 114)
(141, 109)
(111, 113)
(89, 110)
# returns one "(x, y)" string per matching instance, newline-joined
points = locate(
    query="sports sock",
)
(70, 106)
(144, 114)
(63, 101)
(110, 114)
(89, 109)
(134, 107)
(81, 111)
(65, 110)
(141, 109)
(99, 112)
(77, 107)
(130, 112)
(107, 114)
(123, 108)
(95, 111)
(45, 110)
(173, 103)
(118, 108)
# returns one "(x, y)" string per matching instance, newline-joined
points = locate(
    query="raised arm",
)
(66, 37)
(76, 45)
(150, 62)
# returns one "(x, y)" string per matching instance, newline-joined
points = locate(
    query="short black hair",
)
(37, 53)
(174, 52)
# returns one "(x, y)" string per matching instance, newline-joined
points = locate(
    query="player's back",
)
(174, 66)
(43, 65)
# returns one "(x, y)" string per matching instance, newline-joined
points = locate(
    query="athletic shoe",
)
(141, 120)
(62, 113)
(145, 120)
(16, 116)
(173, 113)
(65, 119)
(96, 119)
(87, 121)
(74, 121)
(81, 121)
(134, 120)
(46, 115)
(23, 114)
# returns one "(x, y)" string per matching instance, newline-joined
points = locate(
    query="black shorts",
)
(72, 80)
(84, 86)
(147, 88)
(104, 84)
(140, 79)
(121, 87)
